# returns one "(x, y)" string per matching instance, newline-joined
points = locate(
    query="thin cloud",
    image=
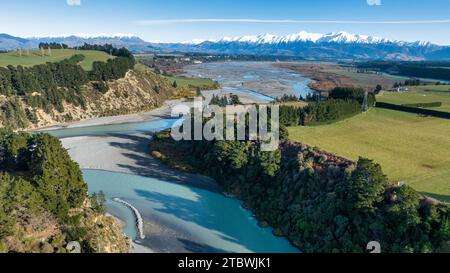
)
(73, 2)
(374, 2)
(262, 21)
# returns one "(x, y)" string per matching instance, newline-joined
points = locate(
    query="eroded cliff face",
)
(42, 233)
(104, 233)
(138, 91)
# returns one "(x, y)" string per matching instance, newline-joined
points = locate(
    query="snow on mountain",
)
(341, 37)
(190, 42)
(344, 37)
(273, 39)
(336, 45)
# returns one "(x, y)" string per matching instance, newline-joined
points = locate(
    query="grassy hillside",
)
(34, 57)
(420, 94)
(182, 82)
(412, 149)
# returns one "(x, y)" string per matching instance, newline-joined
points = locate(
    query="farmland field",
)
(366, 80)
(186, 82)
(33, 57)
(420, 94)
(331, 75)
(411, 149)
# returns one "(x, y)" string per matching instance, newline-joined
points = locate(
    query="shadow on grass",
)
(440, 197)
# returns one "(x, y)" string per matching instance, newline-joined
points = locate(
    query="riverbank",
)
(127, 153)
(183, 219)
(124, 150)
(135, 246)
(157, 113)
(324, 82)
(253, 82)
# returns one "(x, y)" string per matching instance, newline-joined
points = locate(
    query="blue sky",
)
(167, 20)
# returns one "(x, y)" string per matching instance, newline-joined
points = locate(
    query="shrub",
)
(101, 86)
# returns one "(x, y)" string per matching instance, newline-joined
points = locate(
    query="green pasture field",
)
(35, 57)
(420, 94)
(410, 148)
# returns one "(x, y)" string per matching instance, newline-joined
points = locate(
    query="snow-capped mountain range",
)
(335, 46)
(303, 36)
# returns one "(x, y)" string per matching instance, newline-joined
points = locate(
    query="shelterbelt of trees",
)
(44, 203)
(48, 85)
(320, 202)
(424, 69)
(52, 45)
(343, 102)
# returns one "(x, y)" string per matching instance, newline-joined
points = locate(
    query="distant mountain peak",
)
(342, 37)
(10, 37)
(86, 36)
(339, 45)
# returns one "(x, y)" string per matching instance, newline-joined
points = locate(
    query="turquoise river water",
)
(217, 223)
(211, 220)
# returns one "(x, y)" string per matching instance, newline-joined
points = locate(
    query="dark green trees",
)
(224, 100)
(110, 49)
(321, 202)
(234, 99)
(287, 98)
(43, 199)
(113, 69)
(48, 169)
(343, 102)
(101, 86)
(42, 86)
(351, 93)
(98, 202)
(13, 114)
(365, 186)
(324, 112)
(59, 180)
(232, 155)
(219, 101)
(378, 89)
(6, 219)
(436, 224)
(364, 207)
(48, 86)
(52, 46)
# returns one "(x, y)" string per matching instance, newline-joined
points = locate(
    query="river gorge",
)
(181, 212)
